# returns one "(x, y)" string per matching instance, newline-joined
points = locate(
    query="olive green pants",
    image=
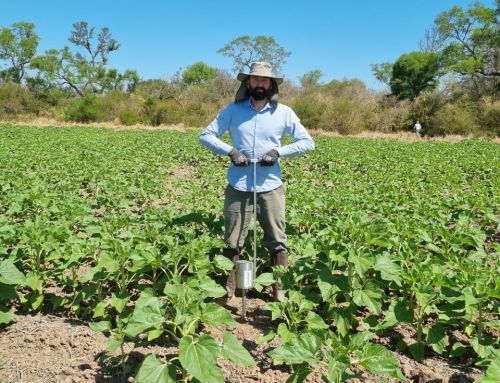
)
(238, 211)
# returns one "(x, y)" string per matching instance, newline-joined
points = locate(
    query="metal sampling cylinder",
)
(244, 275)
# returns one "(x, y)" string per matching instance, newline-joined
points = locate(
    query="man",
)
(417, 128)
(256, 123)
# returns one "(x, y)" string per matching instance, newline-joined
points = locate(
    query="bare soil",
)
(45, 348)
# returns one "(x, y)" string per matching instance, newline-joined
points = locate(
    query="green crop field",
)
(123, 229)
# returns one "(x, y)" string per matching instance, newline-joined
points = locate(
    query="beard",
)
(259, 93)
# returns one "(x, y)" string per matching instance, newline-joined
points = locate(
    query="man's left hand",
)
(270, 158)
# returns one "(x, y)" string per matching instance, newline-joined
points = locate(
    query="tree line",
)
(450, 84)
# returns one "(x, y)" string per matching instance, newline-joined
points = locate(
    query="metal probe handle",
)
(254, 161)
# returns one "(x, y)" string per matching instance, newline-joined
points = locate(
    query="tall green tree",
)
(18, 44)
(414, 72)
(383, 72)
(471, 42)
(84, 69)
(245, 49)
(198, 73)
(311, 79)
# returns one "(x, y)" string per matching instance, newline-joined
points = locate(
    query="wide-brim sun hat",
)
(261, 69)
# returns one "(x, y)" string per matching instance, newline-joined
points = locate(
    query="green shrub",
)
(198, 114)
(158, 112)
(459, 118)
(16, 100)
(490, 118)
(57, 97)
(129, 117)
(345, 116)
(170, 112)
(85, 109)
(112, 103)
(392, 114)
(310, 109)
(424, 109)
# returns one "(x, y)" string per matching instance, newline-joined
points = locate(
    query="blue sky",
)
(339, 37)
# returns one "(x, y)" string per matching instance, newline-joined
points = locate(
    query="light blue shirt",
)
(255, 132)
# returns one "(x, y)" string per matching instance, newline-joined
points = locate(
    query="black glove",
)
(238, 158)
(270, 158)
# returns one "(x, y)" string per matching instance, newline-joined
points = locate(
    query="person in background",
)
(256, 124)
(417, 128)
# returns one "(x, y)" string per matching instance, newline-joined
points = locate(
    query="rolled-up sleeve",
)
(210, 136)
(302, 141)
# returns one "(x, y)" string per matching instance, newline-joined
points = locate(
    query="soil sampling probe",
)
(245, 270)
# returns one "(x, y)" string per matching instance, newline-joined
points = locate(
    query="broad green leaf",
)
(34, 282)
(102, 326)
(379, 360)
(458, 349)
(99, 310)
(266, 338)
(198, 356)
(119, 303)
(285, 334)
(223, 262)
(338, 366)
(108, 263)
(235, 352)
(211, 289)
(403, 312)
(483, 347)
(215, 315)
(153, 370)
(423, 298)
(362, 263)
(154, 334)
(359, 340)
(179, 293)
(301, 349)
(389, 270)
(36, 301)
(436, 337)
(329, 285)
(492, 373)
(369, 298)
(342, 322)
(314, 321)
(9, 274)
(8, 292)
(145, 317)
(6, 317)
(417, 350)
(300, 373)
(277, 309)
(114, 344)
(264, 279)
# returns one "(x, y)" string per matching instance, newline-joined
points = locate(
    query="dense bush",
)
(311, 109)
(391, 115)
(16, 100)
(459, 118)
(424, 108)
(156, 112)
(85, 109)
(129, 117)
(345, 116)
(490, 118)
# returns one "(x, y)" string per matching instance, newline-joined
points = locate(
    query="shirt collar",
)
(268, 105)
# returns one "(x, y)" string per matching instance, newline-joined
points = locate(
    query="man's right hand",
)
(238, 158)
